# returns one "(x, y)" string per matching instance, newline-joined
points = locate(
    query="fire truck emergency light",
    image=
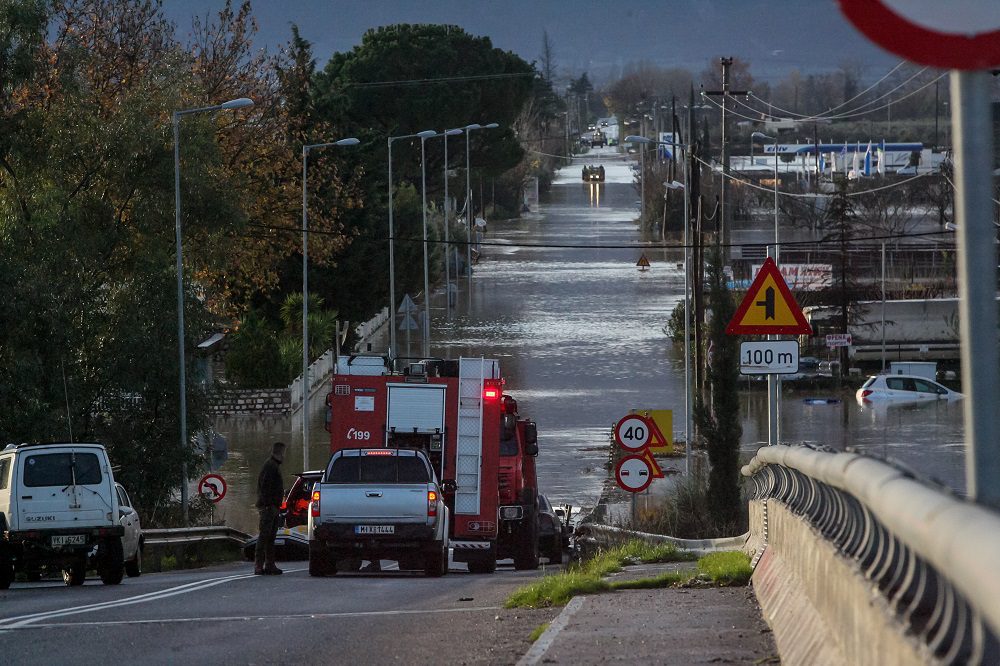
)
(491, 393)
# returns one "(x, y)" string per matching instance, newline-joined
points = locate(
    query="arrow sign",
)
(407, 306)
(768, 307)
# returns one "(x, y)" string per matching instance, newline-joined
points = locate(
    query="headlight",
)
(511, 512)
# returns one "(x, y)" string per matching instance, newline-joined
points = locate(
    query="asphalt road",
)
(224, 615)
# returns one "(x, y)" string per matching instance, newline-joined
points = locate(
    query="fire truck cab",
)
(455, 411)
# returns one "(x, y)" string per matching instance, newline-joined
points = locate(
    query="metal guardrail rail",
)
(933, 556)
(195, 535)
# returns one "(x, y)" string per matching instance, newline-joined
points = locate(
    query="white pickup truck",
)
(378, 503)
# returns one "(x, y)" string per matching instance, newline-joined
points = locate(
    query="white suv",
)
(59, 507)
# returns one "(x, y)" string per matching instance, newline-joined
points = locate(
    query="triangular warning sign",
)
(769, 307)
(643, 262)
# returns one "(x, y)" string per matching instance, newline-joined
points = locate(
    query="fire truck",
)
(480, 448)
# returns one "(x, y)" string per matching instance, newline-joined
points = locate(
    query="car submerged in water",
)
(903, 389)
(593, 174)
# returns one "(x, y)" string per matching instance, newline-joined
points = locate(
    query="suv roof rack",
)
(41, 444)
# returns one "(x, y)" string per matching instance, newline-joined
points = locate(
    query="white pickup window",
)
(417, 409)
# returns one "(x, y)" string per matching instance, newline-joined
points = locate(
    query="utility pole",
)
(725, 224)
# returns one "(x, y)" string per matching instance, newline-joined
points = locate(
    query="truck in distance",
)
(378, 504)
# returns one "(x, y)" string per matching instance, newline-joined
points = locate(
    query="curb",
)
(544, 642)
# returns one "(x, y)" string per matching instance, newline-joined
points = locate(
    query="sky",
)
(775, 36)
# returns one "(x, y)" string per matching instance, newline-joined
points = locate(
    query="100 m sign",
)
(769, 357)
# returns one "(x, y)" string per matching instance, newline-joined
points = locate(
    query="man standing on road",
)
(269, 496)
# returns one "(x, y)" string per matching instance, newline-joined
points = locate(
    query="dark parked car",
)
(553, 532)
(292, 540)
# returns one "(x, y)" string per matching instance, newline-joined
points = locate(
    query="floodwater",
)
(578, 332)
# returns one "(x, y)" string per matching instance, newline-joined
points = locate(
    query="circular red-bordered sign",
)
(633, 432)
(212, 487)
(633, 474)
(906, 37)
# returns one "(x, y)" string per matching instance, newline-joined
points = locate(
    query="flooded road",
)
(578, 332)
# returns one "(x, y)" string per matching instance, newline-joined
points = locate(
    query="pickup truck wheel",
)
(554, 552)
(6, 571)
(320, 562)
(76, 573)
(111, 562)
(436, 563)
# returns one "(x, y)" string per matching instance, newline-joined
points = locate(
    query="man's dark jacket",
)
(269, 490)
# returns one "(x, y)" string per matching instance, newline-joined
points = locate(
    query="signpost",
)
(839, 340)
(936, 34)
(769, 309)
(769, 357)
(212, 487)
(633, 474)
(636, 433)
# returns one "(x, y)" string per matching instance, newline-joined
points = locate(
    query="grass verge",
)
(726, 568)
(587, 577)
(537, 633)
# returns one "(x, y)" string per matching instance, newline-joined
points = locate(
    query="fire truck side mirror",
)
(449, 486)
(508, 422)
(530, 438)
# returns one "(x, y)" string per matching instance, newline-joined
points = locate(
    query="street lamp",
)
(392, 245)
(447, 245)
(305, 292)
(773, 381)
(231, 104)
(687, 302)
(468, 193)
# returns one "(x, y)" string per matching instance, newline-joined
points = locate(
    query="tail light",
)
(284, 505)
(432, 503)
(866, 393)
(314, 507)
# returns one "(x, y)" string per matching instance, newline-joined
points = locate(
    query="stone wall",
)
(268, 401)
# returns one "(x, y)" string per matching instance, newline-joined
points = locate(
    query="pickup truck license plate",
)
(70, 540)
(374, 529)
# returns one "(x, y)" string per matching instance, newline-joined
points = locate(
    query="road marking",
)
(246, 618)
(544, 642)
(17, 622)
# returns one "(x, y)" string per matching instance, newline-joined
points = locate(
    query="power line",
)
(443, 79)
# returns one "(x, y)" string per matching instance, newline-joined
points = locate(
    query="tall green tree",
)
(403, 79)
(719, 420)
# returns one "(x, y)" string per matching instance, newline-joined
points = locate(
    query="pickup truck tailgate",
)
(350, 503)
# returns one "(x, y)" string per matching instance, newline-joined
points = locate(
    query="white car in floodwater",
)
(898, 389)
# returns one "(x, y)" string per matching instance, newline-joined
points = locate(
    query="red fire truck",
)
(481, 450)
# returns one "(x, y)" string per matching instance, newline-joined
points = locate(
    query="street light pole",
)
(773, 381)
(392, 246)
(687, 304)
(182, 376)
(305, 292)
(468, 194)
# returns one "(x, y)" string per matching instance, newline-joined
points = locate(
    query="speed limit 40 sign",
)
(633, 432)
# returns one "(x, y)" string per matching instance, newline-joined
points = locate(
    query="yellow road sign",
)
(768, 307)
(662, 440)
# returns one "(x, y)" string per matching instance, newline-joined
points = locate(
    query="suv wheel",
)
(6, 570)
(133, 568)
(436, 561)
(526, 556)
(75, 573)
(111, 561)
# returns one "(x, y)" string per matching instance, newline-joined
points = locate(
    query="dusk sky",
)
(776, 36)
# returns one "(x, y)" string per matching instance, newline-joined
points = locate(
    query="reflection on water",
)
(578, 333)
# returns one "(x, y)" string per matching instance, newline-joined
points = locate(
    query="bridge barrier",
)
(898, 571)
(187, 547)
(607, 535)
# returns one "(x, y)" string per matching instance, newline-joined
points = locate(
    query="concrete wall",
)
(820, 606)
(271, 401)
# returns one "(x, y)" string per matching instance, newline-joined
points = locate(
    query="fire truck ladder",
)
(469, 454)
